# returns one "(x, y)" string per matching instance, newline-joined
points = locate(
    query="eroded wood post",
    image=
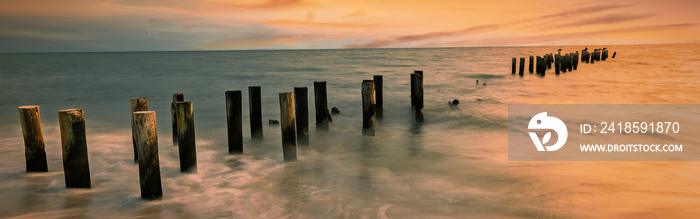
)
(368, 109)
(255, 107)
(531, 64)
(75, 155)
(287, 126)
(419, 92)
(557, 63)
(146, 138)
(234, 121)
(513, 65)
(413, 89)
(614, 53)
(379, 95)
(177, 97)
(301, 113)
(522, 66)
(185, 137)
(137, 104)
(34, 153)
(323, 117)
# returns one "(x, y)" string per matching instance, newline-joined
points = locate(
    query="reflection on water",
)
(453, 163)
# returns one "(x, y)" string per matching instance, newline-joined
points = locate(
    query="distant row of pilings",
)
(294, 125)
(562, 63)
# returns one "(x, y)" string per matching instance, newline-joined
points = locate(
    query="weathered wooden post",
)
(185, 137)
(614, 53)
(538, 68)
(550, 59)
(289, 138)
(557, 63)
(513, 65)
(564, 63)
(301, 113)
(177, 97)
(34, 153)
(234, 121)
(593, 56)
(137, 104)
(323, 117)
(576, 60)
(75, 155)
(419, 92)
(255, 107)
(570, 61)
(522, 66)
(531, 63)
(413, 89)
(146, 138)
(379, 95)
(368, 113)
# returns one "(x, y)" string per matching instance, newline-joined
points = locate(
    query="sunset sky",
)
(155, 25)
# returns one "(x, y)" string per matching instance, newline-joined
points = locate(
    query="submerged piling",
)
(379, 95)
(137, 104)
(74, 148)
(289, 143)
(557, 63)
(323, 117)
(146, 139)
(234, 121)
(186, 139)
(301, 114)
(177, 97)
(413, 89)
(531, 63)
(418, 90)
(513, 65)
(522, 66)
(34, 153)
(368, 113)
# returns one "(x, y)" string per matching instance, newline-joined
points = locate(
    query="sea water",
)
(453, 164)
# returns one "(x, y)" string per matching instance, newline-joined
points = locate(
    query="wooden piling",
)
(137, 104)
(557, 63)
(34, 153)
(323, 117)
(379, 95)
(531, 63)
(614, 53)
(550, 59)
(186, 138)
(513, 65)
(538, 67)
(413, 89)
(301, 114)
(234, 121)
(75, 155)
(177, 97)
(522, 66)
(368, 113)
(418, 90)
(146, 139)
(576, 57)
(289, 143)
(255, 107)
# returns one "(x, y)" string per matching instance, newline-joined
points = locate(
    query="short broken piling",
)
(75, 155)
(34, 153)
(287, 126)
(368, 113)
(146, 139)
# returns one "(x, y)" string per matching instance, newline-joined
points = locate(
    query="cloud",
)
(354, 14)
(425, 36)
(606, 19)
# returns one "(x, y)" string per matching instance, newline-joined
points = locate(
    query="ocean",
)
(454, 164)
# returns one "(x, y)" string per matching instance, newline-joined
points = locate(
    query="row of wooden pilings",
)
(294, 122)
(562, 63)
